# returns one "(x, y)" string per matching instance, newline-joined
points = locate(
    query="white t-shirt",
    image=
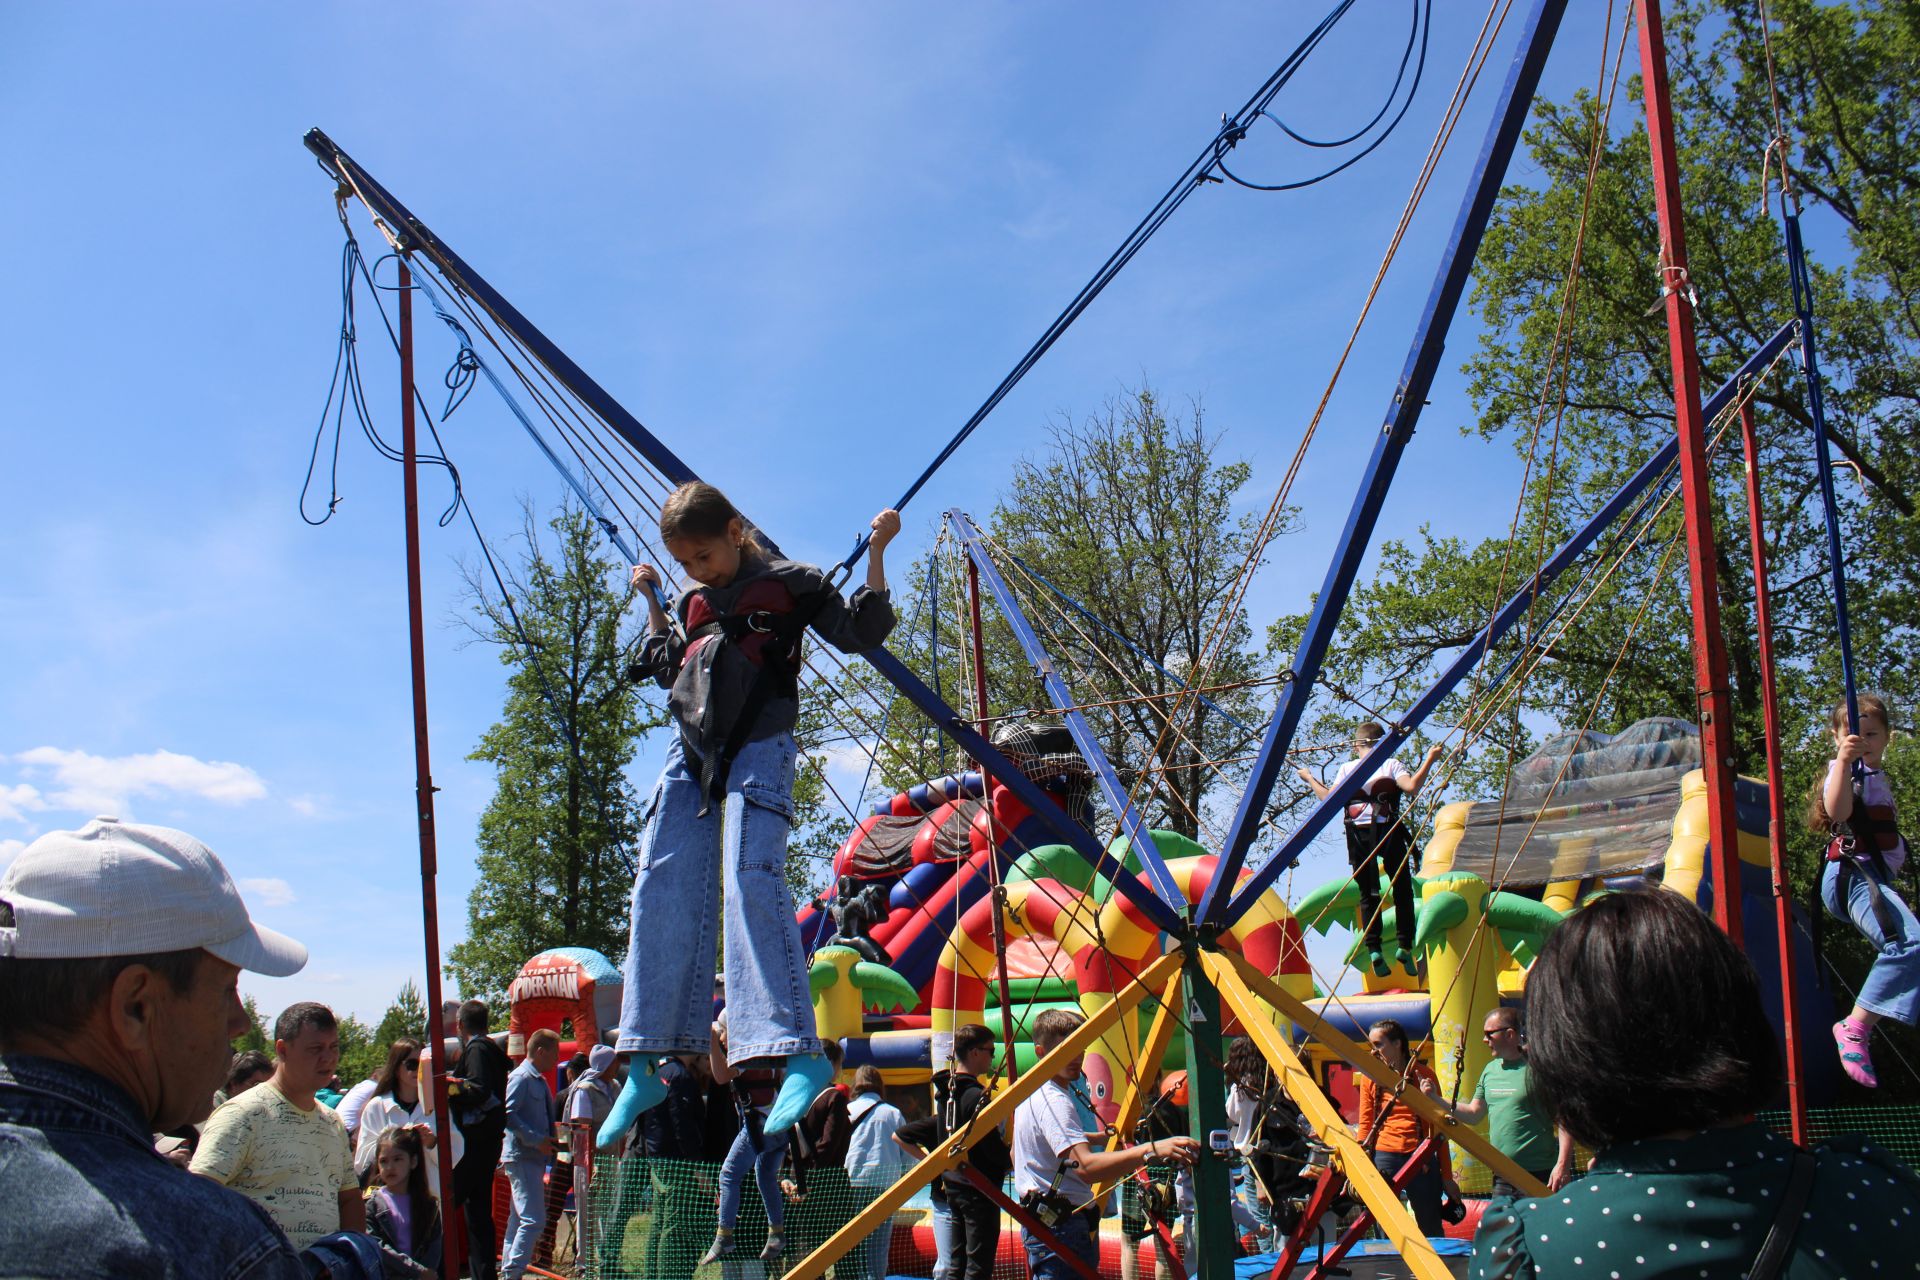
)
(1243, 1109)
(355, 1102)
(1392, 769)
(293, 1163)
(1045, 1127)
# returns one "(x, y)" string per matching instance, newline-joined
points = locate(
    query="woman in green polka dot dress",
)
(1650, 1046)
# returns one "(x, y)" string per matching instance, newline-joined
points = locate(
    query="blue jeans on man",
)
(686, 863)
(1077, 1234)
(527, 1178)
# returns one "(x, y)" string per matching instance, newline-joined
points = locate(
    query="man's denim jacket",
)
(84, 1196)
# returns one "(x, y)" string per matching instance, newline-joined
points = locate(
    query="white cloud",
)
(268, 892)
(9, 850)
(305, 806)
(89, 783)
(18, 801)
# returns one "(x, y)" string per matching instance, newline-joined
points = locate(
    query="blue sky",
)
(800, 242)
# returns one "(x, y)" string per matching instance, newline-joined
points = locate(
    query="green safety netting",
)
(653, 1219)
(1893, 1128)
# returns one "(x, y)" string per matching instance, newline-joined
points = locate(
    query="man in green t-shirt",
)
(1518, 1128)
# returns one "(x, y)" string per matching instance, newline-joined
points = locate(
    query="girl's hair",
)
(1870, 704)
(426, 1210)
(1368, 731)
(1643, 1018)
(1245, 1066)
(1395, 1032)
(247, 1064)
(385, 1079)
(698, 510)
(867, 1079)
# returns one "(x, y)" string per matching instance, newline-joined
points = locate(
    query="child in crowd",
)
(401, 1212)
(731, 657)
(1378, 842)
(754, 1089)
(1854, 805)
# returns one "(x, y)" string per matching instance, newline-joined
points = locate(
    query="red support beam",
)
(994, 886)
(1776, 786)
(1696, 482)
(422, 768)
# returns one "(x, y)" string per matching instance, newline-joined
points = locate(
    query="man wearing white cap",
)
(121, 948)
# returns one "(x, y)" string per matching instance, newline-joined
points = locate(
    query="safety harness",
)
(1868, 834)
(766, 623)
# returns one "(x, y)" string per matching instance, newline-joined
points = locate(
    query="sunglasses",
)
(1497, 1031)
(412, 1064)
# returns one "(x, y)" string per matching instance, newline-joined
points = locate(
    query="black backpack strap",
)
(1771, 1261)
(778, 674)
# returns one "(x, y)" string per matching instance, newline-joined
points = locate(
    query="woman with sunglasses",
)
(398, 1102)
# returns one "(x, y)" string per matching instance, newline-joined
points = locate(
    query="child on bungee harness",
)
(1854, 805)
(1378, 842)
(715, 827)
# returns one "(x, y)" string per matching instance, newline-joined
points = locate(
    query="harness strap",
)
(778, 674)
(1771, 1261)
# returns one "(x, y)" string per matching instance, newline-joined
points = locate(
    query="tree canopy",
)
(556, 841)
(1582, 390)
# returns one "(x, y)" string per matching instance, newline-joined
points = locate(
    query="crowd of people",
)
(134, 1143)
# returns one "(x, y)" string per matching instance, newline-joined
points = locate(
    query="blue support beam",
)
(1132, 821)
(1802, 282)
(1429, 340)
(414, 237)
(1463, 663)
(1007, 774)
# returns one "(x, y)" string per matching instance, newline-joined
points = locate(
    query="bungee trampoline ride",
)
(1034, 873)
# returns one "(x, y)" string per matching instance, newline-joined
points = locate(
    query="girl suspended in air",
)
(1854, 805)
(715, 827)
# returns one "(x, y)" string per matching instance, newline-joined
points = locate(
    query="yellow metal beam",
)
(1133, 1101)
(1155, 977)
(1361, 1059)
(1367, 1182)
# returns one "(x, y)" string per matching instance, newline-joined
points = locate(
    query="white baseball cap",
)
(116, 888)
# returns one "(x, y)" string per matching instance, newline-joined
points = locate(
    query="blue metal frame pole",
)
(1132, 821)
(1008, 775)
(414, 236)
(1463, 664)
(1802, 281)
(1422, 360)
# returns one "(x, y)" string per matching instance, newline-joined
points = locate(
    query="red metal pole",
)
(1696, 483)
(993, 857)
(423, 771)
(1776, 793)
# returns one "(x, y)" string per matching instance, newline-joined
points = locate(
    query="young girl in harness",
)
(1854, 806)
(715, 828)
(1378, 840)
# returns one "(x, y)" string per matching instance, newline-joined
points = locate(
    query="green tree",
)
(1588, 419)
(556, 841)
(256, 1036)
(361, 1053)
(1121, 545)
(405, 1018)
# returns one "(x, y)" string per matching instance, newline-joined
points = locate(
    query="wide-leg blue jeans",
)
(688, 866)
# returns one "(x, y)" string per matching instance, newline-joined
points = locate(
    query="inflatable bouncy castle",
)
(566, 984)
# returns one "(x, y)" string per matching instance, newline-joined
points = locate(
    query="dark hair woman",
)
(1648, 1042)
(398, 1102)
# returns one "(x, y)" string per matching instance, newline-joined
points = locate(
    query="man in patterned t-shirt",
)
(278, 1146)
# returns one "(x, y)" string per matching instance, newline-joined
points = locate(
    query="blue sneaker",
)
(807, 1075)
(644, 1090)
